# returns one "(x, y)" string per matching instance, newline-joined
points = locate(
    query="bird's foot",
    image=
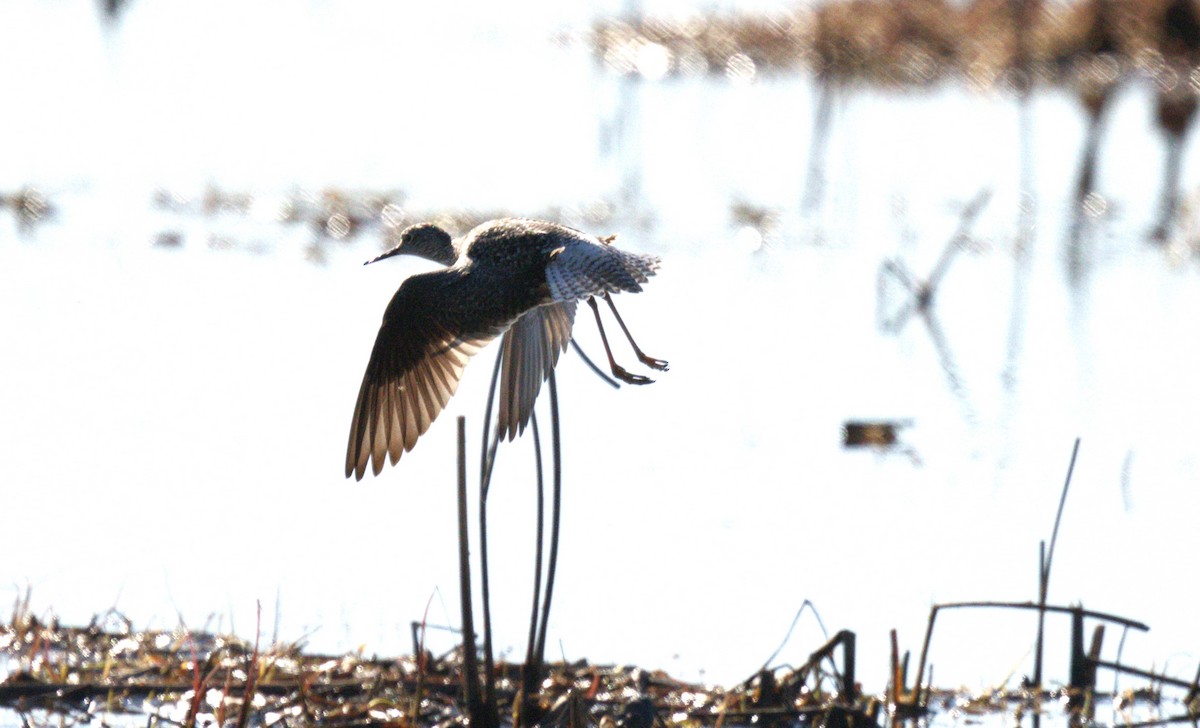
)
(620, 373)
(659, 364)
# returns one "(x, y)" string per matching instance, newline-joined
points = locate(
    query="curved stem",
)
(489, 668)
(592, 365)
(470, 668)
(488, 455)
(531, 674)
(555, 511)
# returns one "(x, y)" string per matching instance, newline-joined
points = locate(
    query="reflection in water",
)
(1176, 87)
(827, 80)
(1126, 485)
(29, 206)
(632, 58)
(111, 11)
(1098, 68)
(625, 144)
(954, 381)
(1022, 263)
(1023, 13)
(814, 183)
(920, 294)
(919, 299)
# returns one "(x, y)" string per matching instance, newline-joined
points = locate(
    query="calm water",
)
(174, 419)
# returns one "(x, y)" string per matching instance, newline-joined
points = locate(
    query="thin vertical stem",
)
(1045, 558)
(1041, 627)
(1062, 501)
(488, 460)
(923, 697)
(489, 667)
(530, 676)
(555, 512)
(487, 455)
(470, 667)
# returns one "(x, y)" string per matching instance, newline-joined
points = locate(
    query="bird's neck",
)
(446, 254)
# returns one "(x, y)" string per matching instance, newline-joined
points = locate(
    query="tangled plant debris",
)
(108, 670)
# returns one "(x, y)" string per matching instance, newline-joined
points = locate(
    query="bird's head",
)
(424, 240)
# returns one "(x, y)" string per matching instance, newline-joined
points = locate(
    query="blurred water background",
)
(184, 320)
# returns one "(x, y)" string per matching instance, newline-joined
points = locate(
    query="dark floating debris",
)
(882, 434)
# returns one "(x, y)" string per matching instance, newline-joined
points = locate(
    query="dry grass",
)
(108, 670)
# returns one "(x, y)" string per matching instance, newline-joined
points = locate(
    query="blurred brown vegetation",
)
(899, 42)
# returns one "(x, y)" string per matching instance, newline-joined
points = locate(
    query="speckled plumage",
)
(521, 278)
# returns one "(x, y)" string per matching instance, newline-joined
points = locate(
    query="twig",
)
(1044, 562)
(1062, 501)
(806, 604)
(419, 647)
(251, 673)
(1153, 676)
(198, 687)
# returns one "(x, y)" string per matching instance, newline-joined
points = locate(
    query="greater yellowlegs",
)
(521, 278)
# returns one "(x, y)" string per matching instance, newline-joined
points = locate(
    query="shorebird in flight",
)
(516, 277)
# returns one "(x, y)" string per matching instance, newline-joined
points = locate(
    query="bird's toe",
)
(659, 364)
(628, 378)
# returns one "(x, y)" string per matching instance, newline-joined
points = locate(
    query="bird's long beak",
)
(394, 251)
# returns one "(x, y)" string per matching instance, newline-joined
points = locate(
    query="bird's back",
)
(515, 243)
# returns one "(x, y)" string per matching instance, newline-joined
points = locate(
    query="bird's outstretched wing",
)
(529, 350)
(419, 355)
(579, 271)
